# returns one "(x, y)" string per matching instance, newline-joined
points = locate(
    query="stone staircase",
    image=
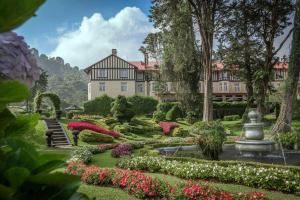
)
(59, 136)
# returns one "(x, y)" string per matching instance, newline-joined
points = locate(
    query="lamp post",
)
(75, 136)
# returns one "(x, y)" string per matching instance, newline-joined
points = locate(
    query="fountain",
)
(253, 144)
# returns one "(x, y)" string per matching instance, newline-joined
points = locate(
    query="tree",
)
(274, 17)
(207, 14)
(122, 110)
(241, 48)
(283, 123)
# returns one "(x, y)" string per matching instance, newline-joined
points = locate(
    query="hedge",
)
(93, 137)
(99, 106)
(142, 104)
(231, 117)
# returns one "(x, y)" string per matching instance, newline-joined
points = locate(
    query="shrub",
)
(272, 178)
(173, 113)
(89, 136)
(191, 117)
(165, 106)
(167, 127)
(289, 139)
(122, 110)
(159, 116)
(211, 137)
(81, 154)
(180, 132)
(69, 115)
(99, 106)
(232, 117)
(121, 150)
(142, 104)
(222, 109)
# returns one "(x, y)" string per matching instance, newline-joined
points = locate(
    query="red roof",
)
(152, 65)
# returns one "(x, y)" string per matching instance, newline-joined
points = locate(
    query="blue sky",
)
(58, 23)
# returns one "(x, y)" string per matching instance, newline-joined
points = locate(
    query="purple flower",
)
(122, 150)
(16, 60)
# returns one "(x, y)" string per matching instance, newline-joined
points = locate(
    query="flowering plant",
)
(121, 150)
(85, 125)
(167, 126)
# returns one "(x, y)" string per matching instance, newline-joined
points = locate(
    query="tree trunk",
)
(208, 103)
(283, 123)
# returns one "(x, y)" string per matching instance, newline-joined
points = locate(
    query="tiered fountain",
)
(253, 143)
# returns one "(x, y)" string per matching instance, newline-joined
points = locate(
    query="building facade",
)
(115, 76)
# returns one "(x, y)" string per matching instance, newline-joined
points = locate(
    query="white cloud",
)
(96, 36)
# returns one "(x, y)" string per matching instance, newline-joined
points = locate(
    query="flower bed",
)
(145, 187)
(85, 125)
(122, 150)
(167, 126)
(279, 179)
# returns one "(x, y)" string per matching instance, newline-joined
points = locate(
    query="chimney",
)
(146, 57)
(114, 52)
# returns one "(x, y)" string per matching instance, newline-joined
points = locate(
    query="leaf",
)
(6, 193)
(48, 166)
(23, 124)
(13, 13)
(6, 117)
(16, 176)
(12, 91)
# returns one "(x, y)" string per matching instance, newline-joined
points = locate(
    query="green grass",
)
(104, 159)
(105, 193)
(230, 187)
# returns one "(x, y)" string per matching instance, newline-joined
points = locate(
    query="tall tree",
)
(283, 123)
(206, 13)
(274, 17)
(241, 49)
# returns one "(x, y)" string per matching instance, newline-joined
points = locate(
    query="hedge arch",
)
(54, 98)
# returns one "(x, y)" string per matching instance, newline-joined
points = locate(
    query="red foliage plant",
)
(167, 126)
(79, 126)
(146, 187)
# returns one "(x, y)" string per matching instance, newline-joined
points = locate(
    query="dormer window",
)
(123, 73)
(102, 73)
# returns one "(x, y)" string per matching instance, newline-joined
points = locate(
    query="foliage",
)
(82, 154)
(122, 150)
(25, 174)
(159, 116)
(79, 126)
(122, 110)
(222, 109)
(272, 178)
(165, 106)
(92, 137)
(145, 187)
(11, 20)
(211, 136)
(289, 139)
(99, 106)
(180, 132)
(191, 117)
(53, 97)
(174, 113)
(232, 117)
(142, 104)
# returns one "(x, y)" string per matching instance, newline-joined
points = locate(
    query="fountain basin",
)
(254, 131)
(255, 146)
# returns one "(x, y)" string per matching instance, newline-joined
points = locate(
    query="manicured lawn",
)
(105, 193)
(104, 159)
(230, 187)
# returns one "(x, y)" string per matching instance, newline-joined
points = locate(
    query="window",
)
(123, 73)
(140, 76)
(123, 86)
(102, 73)
(220, 86)
(102, 86)
(225, 87)
(224, 76)
(140, 88)
(237, 87)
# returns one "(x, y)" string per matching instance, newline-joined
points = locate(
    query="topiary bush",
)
(99, 106)
(232, 117)
(142, 104)
(180, 132)
(191, 117)
(159, 116)
(122, 110)
(165, 106)
(211, 136)
(93, 137)
(174, 113)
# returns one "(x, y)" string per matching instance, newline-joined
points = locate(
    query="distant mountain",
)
(68, 82)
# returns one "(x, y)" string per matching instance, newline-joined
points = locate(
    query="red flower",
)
(167, 126)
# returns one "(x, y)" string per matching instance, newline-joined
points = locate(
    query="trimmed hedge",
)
(122, 110)
(93, 137)
(180, 132)
(165, 106)
(222, 109)
(232, 117)
(99, 106)
(159, 116)
(142, 104)
(174, 113)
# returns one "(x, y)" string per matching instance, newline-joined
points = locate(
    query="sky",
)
(84, 31)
